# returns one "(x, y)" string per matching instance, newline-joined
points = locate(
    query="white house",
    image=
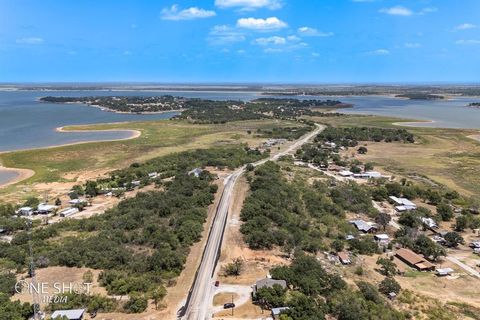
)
(345, 173)
(368, 175)
(25, 211)
(403, 204)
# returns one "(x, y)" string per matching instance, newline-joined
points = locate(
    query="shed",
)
(277, 311)
(414, 260)
(68, 212)
(46, 208)
(345, 173)
(74, 314)
(444, 272)
(382, 237)
(344, 258)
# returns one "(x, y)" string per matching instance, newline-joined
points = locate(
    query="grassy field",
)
(446, 156)
(62, 164)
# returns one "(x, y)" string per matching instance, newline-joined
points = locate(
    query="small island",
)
(474, 105)
(420, 96)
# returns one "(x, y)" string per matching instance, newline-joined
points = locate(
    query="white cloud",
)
(249, 4)
(223, 34)
(428, 10)
(379, 52)
(312, 32)
(279, 44)
(268, 24)
(173, 13)
(30, 40)
(412, 45)
(275, 40)
(127, 53)
(468, 42)
(315, 54)
(465, 26)
(397, 11)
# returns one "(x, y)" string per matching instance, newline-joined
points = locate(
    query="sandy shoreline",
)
(474, 137)
(412, 123)
(23, 174)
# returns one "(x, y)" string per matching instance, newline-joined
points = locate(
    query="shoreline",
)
(23, 174)
(108, 109)
(413, 123)
(475, 137)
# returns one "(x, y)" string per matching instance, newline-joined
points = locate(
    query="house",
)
(344, 258)
(444, 272)
(196, 172)
(367, 227)
(74, 314)
(403, 204)
(382, 238)
(44, 208)
(368, 175)
(68, 212)
(268, 283)
(277, 311)
(25, 211)
(153, 175)
(429, 223)
(414, 260)
(345, 173)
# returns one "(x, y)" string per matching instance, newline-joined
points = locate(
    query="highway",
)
(199, 300)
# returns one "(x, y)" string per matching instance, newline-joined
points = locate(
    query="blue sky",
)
(289, 41)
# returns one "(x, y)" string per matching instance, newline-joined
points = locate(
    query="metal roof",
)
(70, 314)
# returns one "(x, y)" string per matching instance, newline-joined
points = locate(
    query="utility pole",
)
(33, 288)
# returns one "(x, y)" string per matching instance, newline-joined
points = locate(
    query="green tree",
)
(389, 285)
(461, 223)
(453, 239)
(445, 211)
(157, 295)
(383, 219)
(389, 268)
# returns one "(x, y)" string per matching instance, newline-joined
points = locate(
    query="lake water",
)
(26, 123)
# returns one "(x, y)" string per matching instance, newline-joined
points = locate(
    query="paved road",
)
(199, 301)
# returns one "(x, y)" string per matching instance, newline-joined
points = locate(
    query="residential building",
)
(268, 283)
(74, 314)
(25, 211)
(367, 227)
(403, 204)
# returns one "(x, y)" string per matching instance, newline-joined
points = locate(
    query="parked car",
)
(217, 283)
(229, 305)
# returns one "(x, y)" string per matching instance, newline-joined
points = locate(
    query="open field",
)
(80, 162)
(446, 156)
